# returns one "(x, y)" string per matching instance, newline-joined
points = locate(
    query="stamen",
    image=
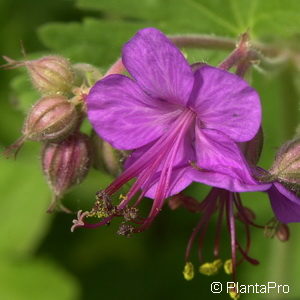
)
(228, 266)
(188, 271)
(248, 258)
(218, 229)
(126, 230)
(210, 269)
(231, 223)
(209, 200)
(161, 155)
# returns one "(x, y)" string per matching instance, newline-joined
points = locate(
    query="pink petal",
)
(285, 204)
(122, 114)
(226, 102)
(158, 66)
(226, 182)
(179, 181)
(184, 155)
(219, 154)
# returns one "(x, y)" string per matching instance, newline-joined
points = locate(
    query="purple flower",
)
(183, 125)
(285, 204)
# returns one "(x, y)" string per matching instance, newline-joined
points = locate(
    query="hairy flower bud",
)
(106, 157)
(286, 167)
(66, 164)
(86, 74)
(52, 118)
(51, 75)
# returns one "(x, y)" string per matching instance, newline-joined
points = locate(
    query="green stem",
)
(268, 56)
(221, 43)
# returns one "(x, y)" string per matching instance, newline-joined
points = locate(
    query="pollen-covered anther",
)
(103, 200)
(126, 230)
(228, 267)
(130, 213)
(210, 269)
(233, 294)
(188, 271)
(103, 206)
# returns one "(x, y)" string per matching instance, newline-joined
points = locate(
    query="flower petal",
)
(158, 66)
(285, 204)
(122, 114)
(184, 154)
(226, 102)
(225, 181)
(179, 181)
(218, 153)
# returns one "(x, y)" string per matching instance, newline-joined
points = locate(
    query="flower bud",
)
(52, 118)
(286, 167)
(107, 157)
(283, 232)
(51, 75)
(86, 74)
(66, 164)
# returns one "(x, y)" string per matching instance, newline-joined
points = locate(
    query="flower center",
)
(152, 170)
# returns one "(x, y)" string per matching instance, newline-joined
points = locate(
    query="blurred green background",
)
(39, 257)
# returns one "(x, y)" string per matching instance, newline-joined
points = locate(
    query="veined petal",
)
(218, 153)
(226, 182)
(158, 66)
(122, 114)
(285, 204)
(184, 154)
(179, 181)
(225, 102)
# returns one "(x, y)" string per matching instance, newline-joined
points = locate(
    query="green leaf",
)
(94, 41)
(24, 200)
(35, 279)
(268, 19)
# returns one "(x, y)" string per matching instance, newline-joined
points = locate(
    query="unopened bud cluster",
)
(55, 120)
